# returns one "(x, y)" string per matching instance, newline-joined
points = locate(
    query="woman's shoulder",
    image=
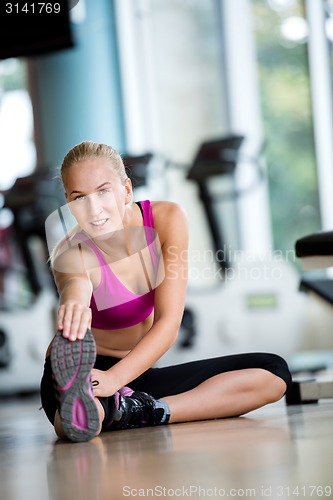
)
(162, 208)
(168, 215)
(74, 257)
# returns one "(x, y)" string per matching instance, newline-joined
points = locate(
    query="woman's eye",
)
(103, 191)
(79, 198)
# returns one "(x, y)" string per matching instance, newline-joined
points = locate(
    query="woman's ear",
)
(128, 191)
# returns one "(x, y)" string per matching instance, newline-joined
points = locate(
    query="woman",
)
(122, 292)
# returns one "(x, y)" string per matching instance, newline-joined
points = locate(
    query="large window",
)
(187, 64)
(17, 149)
(281, 32)
(328, 6)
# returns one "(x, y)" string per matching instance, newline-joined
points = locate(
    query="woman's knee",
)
(273, 387)
(279, 367)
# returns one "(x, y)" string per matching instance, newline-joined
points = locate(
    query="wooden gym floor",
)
(274, 452)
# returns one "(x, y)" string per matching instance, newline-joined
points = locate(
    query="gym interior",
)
(225, 107)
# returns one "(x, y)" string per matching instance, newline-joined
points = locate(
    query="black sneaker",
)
(138, 410)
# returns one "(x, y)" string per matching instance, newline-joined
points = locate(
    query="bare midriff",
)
(119, 343)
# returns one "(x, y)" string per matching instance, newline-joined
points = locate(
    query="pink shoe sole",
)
(71, 366)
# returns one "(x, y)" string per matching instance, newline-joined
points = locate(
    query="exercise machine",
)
(315, 252)
(27, 310)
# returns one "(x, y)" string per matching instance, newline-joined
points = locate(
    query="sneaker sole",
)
(71, 366)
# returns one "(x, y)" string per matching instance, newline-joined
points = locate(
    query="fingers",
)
(102, 383)
(74, 320)
(95, 381)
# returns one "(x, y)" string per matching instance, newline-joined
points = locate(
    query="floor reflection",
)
(240, 452)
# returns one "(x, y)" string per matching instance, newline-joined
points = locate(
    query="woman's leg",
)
(206, 389)
(227, 395)
(218, 387)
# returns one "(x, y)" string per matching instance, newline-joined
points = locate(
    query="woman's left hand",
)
(102, 383)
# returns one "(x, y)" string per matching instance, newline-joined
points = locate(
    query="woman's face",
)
(96, 196)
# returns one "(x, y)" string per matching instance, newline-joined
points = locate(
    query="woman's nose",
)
(94, 205)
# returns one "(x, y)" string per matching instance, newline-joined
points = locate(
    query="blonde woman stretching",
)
(122, 293)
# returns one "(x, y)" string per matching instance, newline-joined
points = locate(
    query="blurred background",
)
(224, 106)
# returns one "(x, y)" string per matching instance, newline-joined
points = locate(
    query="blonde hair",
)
(92, 150)
(87, 150)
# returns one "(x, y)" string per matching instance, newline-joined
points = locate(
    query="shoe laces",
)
(143, 410)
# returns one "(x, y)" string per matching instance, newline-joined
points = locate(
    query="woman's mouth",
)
(99, 223)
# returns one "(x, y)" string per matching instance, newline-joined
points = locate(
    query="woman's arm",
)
(172, 227)
(75, 290)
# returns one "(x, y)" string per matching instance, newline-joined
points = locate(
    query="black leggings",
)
(171, 380)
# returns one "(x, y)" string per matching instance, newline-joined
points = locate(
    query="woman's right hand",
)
(74, 319)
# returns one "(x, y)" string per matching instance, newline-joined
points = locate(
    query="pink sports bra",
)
(113, 306)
